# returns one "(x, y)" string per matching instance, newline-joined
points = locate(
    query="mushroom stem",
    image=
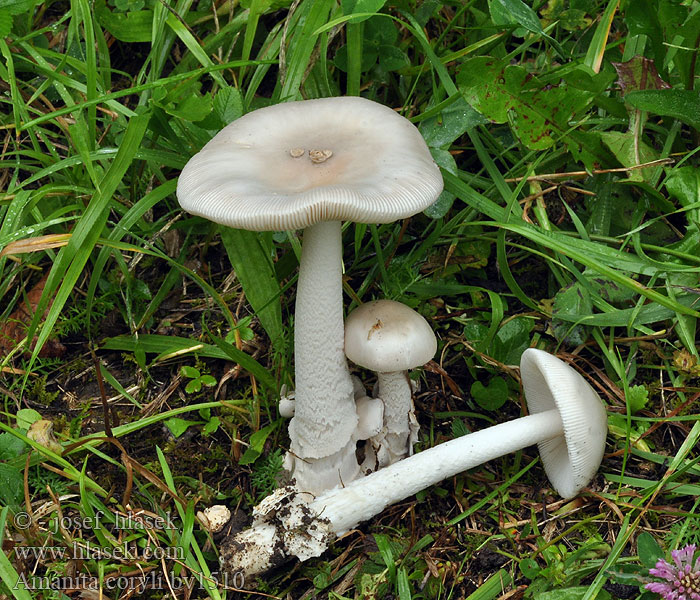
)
(363, 498)
(341, 509)
(321, 432)
(394, 389)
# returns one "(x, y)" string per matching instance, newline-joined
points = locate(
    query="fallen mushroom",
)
(311, 165)
(568, 423)
(390, 338)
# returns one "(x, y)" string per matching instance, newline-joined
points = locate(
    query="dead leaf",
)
(14, 330)
(36, 244)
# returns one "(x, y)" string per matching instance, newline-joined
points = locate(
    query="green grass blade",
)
(594, 55)
(167, 346)
(72, 258)
(312, 15)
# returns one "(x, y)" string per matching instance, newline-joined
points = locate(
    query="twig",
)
(579, 174)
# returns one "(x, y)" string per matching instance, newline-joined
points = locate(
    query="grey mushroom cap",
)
(387, 336)
(294, 164)
(571, 460)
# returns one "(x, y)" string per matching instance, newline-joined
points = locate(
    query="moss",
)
(39, 394)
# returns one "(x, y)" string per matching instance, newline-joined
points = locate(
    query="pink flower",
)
(682, 577)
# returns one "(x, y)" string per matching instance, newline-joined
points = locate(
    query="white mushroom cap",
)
(571, 460)
(387, 336)
(294, 164)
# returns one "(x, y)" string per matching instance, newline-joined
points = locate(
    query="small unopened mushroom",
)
(286, 403)
(568, 423)
(390, 338)
(214, 518)
(370, 417)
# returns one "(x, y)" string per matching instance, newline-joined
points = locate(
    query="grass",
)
(567, 133)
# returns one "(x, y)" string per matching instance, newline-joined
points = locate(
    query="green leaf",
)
(491, 396)
(180, 28)
(192, 108)
(514, 12)
(475, 331)
(10, 446)
(178, 426)
(211, 426)
(386, 551)
(574, 302)
(608, 262)
(539, 114)
(208, 380)
(683, 105)
(648, 549)
(402, 585)
(630, 152)
(17, 7)
(511, 340)
(184, 102)
(683, 184)
(571, 19)
(381, 31)
(193, 386)
(11, 485)
(5, 23)
(257, 443)
(228, 105)
(131, 27)
(189, 372)
(312, 15)
(441, 206)
(369, 58)
(392, 58)
(596, 48)
(459, 428)
(70, 263)
(451, 123)
(630, 574)
(637, 398)
(529, 567)
(250, 255)
(642, 18)
(26, 416)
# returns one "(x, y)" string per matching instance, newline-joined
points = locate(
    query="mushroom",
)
(42, 433)
(310, 165)
(214, 518)
(390, 338)
(568, 423)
